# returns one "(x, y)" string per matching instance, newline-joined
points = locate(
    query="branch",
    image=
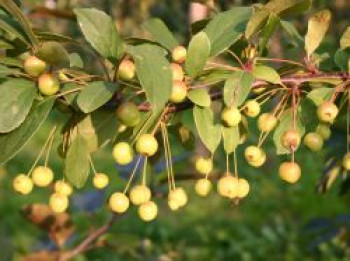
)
(294, 79)
(90, 239)
(41, 12)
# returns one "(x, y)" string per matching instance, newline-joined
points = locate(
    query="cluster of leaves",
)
(90, 100)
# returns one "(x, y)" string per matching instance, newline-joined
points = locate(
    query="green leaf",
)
(285, 124)
(161, 33)
(95, 95)
(209, 132)
(197, 54)
(154, 73)
(5, 45)
(342, 58)
(226, 28)
(16, 98)
(237, 88)
(272, 23)
(306, 108)
(266, 73)
(256, 22)
(100, 31)
(292, 32)
(288, 7)
(316, 30)
(97, 128)
(11, 62)
(75, 61)
(214, 76)
(49, 36)
(148, 121)
(13, 9)
(6, 71)
(71, 97)
(231, 138)
(13, 28)
(200, 97)
(345, 39)
(11, 143)
(54, 53)
(320, 95)
(77, 162)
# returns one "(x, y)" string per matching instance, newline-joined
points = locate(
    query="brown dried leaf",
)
(58, 226)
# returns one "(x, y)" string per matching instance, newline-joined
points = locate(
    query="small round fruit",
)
(204, 165)
(252, 108)
(173, 204)
(33, 66)
(178, 92)
(253, 154)
(118, 202)
(313, 141)
(64, 188)
(259, 162)
(243, 188)
(48, 84)
(327, 112)
(267, 122)
(346, 161)
(42, 176)
(177, 72)
(228, 186)
(203, 187)
(290, 172)
(22, 184)
(123, 153)
(178, 195)
(100, 180)
(58, 202)
(140, 194)
(146, 145)
(231, 116)
(128, 114)
(324, 130)
(290, 139)
(126, 70)
(148, 211)
(179, 54)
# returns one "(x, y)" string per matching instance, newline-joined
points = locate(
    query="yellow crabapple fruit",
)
(119, 202)
(22, 184)
(140, 194)
(203, 187)
(290, 172)
(100, 180)
(179, 54)
(146, 145)
(204, 165)
(327, 112)
(62, 187)
(123, 153)
(48, 84)
(58, 202)
(231, 116)
(33, 66)
(252, 108)
(42, 176)
(148, 211)
(126, 70)
(178, 92)
(313, 141)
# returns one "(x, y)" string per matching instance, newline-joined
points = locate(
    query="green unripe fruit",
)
(48, 84)
(58, 202)
(178, 74)
(148, 211)
(254, 154)
(267, 122)
(100, 180)
(126, 70)
(178, 92)
(228, 186)
(140, 194)
(118, 202)
(128, 114)
(123, 153)
(42, 176)
(179, 54)
(146, 145)
(231, 116)
(290, 139)
(313, 141)
(259, 162)
(22, 184)
(327, 112)
(62, 187)
(203, 187)
(324, 130)
(33, 66)
(243, 188)
(252, 108)
(204, 165)
(290, 172)
(346, 161)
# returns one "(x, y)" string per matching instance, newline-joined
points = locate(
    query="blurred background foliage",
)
(275, 222)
